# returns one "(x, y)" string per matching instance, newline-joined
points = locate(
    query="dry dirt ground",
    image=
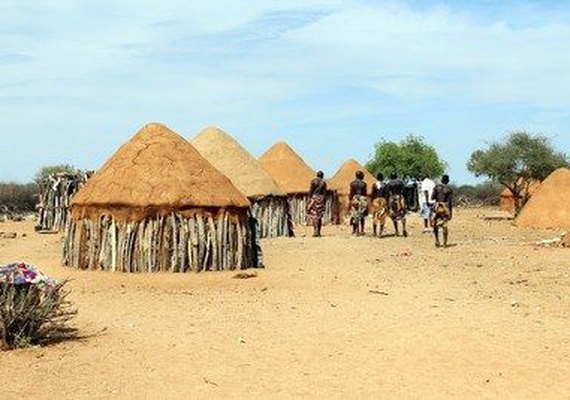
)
(337, 317)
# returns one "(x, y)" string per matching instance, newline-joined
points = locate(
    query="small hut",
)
(508, 202)
(294, 176)
(548, 208)
(270, 207)
(158, 205)
(341, 181)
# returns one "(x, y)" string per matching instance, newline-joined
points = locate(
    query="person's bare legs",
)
(445, 236)
(317, 226)
(436, 234)
(396, 227)
(405, 231)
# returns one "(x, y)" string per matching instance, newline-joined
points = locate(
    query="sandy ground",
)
(337, 317)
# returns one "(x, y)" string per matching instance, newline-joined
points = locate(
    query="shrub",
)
(484, 194)
(18, 197)
(34, 315)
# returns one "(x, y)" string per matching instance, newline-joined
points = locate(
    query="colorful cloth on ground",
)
(316, 207)
(397, 207)
(441, 215)
(24, 274)
(358, 208)
(379, 210)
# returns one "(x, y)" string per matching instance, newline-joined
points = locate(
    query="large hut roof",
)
(156, 171)
(549, 206)
(228, 156)
(287, 168)
(346, 174)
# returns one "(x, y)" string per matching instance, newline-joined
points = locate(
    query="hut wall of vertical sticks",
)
(341, 181)
(270, 208)
(55, 198)
(294, 176)
(158, 205)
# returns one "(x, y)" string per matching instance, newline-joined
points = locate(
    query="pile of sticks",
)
(173, 243)
(272, 217)
(331, 216)
(55, 198)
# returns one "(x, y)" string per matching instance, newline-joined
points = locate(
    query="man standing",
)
(317, 202)
(379, 205)
(397, 203)
(426, 203)
(443, 212)
(358, 203)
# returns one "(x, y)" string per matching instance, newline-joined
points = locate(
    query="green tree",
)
(516, 162)
(409, 158)
(45, 172)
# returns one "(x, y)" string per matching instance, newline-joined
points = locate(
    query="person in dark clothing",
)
(443, 198)
(379, 206)
(397, 203)
(358, 203)
(317, 202)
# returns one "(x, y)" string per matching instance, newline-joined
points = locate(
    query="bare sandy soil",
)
(337, 317)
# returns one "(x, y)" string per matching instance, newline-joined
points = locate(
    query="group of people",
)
(387, 201)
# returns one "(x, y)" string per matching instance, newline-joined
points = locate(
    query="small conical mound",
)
(549, 206)
(228, 156)
(287, 168)
(346, 174)
(507, 199)
(159, 170)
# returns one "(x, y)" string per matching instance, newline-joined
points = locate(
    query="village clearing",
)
(337, 317)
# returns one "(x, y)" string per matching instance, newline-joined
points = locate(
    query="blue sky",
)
(78, 78)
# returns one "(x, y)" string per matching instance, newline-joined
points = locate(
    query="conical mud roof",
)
(157, 171)
(346, 174)
(549, 206)
(228, 156)
(287, 168)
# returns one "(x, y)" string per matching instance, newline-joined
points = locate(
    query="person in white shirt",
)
(426, 202)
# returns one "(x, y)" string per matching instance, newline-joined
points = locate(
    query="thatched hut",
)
(158, 205)
(294, 176)
(341, 181)
(270, 207)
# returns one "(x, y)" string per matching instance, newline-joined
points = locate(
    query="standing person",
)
(358, 203)
(397, 203)
(426, 202)
(379, 205)
(317, 202)
(443, 212)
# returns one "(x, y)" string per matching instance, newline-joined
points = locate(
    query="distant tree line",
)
(483, 194)
(23, 197)
(514, 162)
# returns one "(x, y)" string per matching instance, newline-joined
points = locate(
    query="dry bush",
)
(35, 315)
(483, 194)
(18, 197)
